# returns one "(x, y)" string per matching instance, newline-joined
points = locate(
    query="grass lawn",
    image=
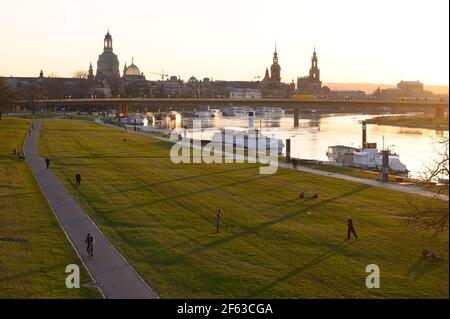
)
(367, 174)
(34, 251)
(414, 121)
(161, 216)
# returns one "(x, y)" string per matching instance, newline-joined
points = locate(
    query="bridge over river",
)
(185, 104)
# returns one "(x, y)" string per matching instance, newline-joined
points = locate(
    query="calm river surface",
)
(318, 131)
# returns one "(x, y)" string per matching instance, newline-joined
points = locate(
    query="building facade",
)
(245, 94)
(404, 89)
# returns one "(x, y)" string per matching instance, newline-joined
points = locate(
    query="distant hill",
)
(370, 87)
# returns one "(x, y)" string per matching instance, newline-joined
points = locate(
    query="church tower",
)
(125, 68)
(310, 84)
(108, 63)
(275, 69)
(90, 72)
(266, 76)
(314, 71)
(108, 42)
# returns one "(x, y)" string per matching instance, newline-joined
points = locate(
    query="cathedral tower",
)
(108, 63)
(314, 71)
(275, 69)
(90, 72)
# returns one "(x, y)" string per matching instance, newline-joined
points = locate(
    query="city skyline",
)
(199, 42)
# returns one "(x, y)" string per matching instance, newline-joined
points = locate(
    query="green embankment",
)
(34, 251)
(161, 216)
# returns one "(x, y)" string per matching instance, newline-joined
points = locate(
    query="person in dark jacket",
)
(78, 179)
(218, 221)
(90, 241)
(47, 162)
(350, 228)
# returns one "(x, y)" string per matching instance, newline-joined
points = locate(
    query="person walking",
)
(78, 178)
(90, 244)
(350, 228)
(218, 221)
(47, 162)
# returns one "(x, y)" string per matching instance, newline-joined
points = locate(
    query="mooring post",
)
(364, 134)
(296, 118)
(384, 175)
(288, 150)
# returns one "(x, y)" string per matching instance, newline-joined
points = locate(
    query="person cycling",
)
(90, 244)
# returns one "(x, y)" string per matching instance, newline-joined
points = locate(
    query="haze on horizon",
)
(357, 41)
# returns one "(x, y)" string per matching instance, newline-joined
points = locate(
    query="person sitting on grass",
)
(432, 256)
(301, 195)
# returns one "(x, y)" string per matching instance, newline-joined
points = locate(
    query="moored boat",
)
(236, 111)
(269, 111)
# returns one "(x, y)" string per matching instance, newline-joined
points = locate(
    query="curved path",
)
(113, 275)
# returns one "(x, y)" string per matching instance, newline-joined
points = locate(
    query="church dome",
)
(275, 68)
(132, 70)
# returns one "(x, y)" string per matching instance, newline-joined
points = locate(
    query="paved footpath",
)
(113, 275)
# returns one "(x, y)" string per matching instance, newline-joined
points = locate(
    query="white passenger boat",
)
(215, 112)
(133, 120)
(236, 111)
(269, 111)
(206, 113)
(367, 158)
(249, 140)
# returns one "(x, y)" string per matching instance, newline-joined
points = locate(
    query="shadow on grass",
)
(43, 271)
(333, 251)
(13, 240)
(187, 178)
(278, 220)
(423, 266)
(124, 156)
(78, 129)
(209, 189)
(259, 227)
(16, 194)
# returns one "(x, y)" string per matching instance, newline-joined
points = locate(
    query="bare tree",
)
(433, 214)
(7, 95)
(32, 92)
(53, 74)
(80, 74)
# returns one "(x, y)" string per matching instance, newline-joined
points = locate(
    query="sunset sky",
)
(381, 41)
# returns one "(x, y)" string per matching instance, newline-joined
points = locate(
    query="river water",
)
(318, 131)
